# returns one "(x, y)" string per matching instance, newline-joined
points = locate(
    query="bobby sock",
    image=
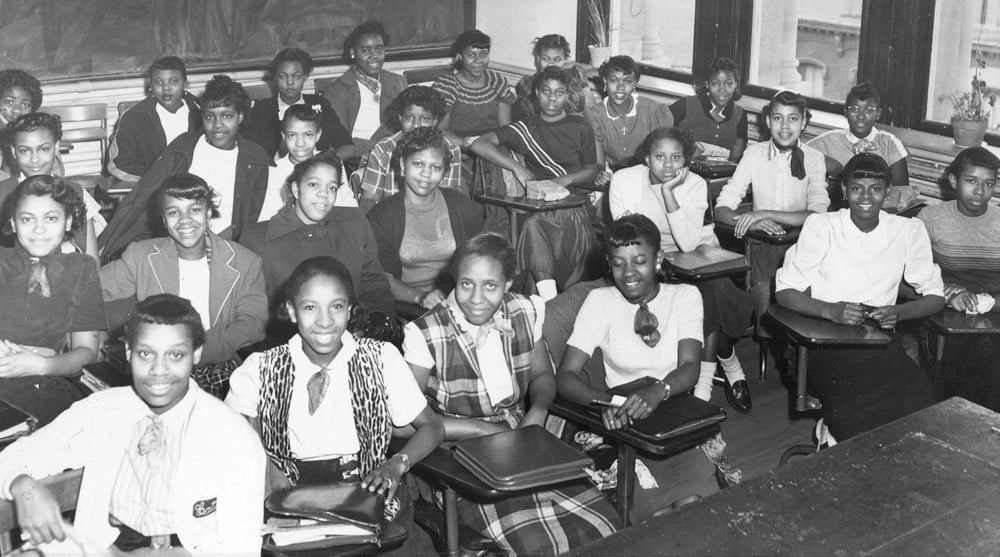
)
(703, 389)
(731, 366)
(546, 289)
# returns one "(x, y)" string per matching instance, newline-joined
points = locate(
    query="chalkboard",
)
(86, 39)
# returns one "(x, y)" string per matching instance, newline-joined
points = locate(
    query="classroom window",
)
(656, 33)
(964, 31)
(809, 47)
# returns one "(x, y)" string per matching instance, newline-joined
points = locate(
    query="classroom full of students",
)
(320, 288)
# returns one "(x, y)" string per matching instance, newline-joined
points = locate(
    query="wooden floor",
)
(756, 440)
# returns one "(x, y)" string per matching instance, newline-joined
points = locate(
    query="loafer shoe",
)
(738, 395)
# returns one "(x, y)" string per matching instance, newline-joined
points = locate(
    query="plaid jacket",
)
(455, 386)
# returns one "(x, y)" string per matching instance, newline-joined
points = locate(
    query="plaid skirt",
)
(547, 522)
(558, 244)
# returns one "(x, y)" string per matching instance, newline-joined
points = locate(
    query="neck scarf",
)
(372, 84)
(317, 387)
(497, 322)
(41, 271)
(646, 325)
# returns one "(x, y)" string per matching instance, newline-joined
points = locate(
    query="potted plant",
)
(972, 109)
(600, 47)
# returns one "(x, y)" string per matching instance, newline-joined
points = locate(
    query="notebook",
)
(680, 414)
(14, 423)
(521, 458)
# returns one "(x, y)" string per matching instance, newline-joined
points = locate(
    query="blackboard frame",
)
(393, 53)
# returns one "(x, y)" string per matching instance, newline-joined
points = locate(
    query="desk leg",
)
(940, 348)
(514, 229)
(800, 378)
(451, 519)
(626, 485)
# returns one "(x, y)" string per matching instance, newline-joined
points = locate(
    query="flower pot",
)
(599, 55)
(969, 133)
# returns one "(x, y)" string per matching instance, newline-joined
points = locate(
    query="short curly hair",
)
(291, 54)
(417, 140)
(221, 90)
(186, 186)
(866, 165)
(35, 121)
(362, 31)
(621, 63)
(720, 64)
(63, 192)
(20, 78)
(550, 41)
(416, 95)
(302, 112)
(471, 38)
(490, 245)
(681, 135)
(552, 73)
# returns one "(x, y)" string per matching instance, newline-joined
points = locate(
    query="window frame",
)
(892, 52)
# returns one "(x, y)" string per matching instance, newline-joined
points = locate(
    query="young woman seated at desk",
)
(847, 267)
(478, 355)
(649, 334)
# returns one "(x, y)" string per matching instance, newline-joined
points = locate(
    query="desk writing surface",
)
(928, 483)
(590, 418)
(706, 261)
(951, 322)
(813, 331)
(531, 205)
(790, 236)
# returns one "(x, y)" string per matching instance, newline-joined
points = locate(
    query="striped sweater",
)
(966, 248)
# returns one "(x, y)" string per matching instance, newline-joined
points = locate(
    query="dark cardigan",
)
(388, 220)
(263, 127)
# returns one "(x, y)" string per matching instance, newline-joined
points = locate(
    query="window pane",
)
(964, 30)
(655, 32)
(810, 47)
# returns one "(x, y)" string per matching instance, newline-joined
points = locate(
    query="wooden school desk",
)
(926, 484)
(704, 263)
(628, 443)
(517, 205)
(948, 322)
(806, 332)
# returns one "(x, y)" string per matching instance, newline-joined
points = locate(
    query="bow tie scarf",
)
(500, 325)
(646, 325)
(863, 146)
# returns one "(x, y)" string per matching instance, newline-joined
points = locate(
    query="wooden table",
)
(949, 322)
(806, 332)
(705, 263)
(926, 484)
(628, 443)
(515, 204)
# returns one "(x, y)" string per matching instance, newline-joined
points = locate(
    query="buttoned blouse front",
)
(840, 263)
(774, 187)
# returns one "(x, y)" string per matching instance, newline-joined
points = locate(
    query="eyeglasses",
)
(854, 110)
